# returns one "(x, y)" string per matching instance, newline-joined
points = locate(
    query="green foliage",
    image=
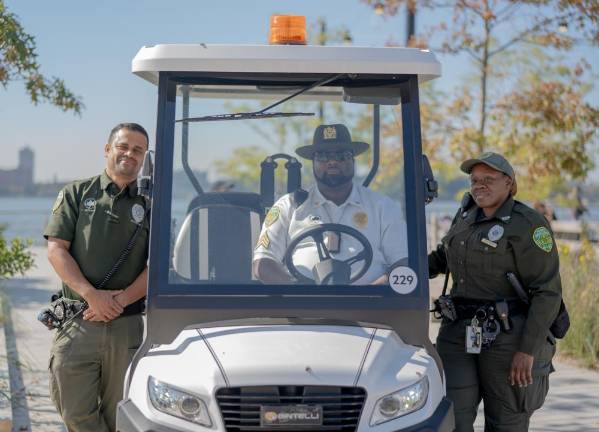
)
(18, 62)
(243, 166)
(529, 104)
(15, 258)
(579, 268)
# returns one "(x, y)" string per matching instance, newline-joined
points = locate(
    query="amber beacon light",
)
(287, 30)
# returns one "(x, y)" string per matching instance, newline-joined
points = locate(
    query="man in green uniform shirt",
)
(91, 224)
(491, 236)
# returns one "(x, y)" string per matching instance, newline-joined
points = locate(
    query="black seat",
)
(218, 236)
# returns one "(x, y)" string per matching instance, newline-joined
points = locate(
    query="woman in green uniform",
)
(497, 349)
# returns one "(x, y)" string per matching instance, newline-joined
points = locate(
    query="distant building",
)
(19, 180)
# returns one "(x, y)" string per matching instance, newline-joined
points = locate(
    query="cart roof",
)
(280, 59)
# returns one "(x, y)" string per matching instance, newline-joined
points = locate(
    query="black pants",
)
(485, 376)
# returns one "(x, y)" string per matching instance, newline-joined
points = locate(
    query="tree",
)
(14, 258)
(524, 98)
(18, 62)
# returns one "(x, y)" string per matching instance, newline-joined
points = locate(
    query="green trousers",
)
(87, 366)
(485, 376)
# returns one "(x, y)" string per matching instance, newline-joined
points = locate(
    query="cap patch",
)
(272, 216)
(329, 132)
(542, 238)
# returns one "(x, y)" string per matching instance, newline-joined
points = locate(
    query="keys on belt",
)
(483, 330)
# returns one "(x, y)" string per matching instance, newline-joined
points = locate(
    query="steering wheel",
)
(316, 233)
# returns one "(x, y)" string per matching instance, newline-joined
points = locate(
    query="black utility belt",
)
(466, 308)
(134, 308)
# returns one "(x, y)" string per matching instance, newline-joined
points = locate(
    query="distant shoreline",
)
(41, 190)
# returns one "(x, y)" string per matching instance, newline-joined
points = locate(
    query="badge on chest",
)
(493, 236)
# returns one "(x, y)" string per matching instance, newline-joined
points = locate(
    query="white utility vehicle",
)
(224, 352)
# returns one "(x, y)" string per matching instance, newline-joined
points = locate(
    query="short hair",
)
(135, 127)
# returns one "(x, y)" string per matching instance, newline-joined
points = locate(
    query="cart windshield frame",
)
(173, 307)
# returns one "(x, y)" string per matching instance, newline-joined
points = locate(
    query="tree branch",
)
(525, 33)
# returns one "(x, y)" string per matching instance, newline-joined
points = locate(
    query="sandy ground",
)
(572, 404)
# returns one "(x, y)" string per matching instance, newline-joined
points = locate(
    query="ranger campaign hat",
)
(333, 137)
(493, 160)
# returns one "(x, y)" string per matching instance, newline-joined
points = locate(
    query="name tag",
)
(489, 242)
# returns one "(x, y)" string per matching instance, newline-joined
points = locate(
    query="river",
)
(26, 217)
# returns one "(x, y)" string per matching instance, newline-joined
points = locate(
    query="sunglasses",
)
(341, 156)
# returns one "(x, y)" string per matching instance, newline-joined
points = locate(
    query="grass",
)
(580, 284)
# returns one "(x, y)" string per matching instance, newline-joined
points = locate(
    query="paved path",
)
(573, 401)
(27, 295)
(572, 404)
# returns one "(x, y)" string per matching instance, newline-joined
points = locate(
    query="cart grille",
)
(341, 406)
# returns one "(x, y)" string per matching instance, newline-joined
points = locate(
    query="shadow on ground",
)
(28, 292)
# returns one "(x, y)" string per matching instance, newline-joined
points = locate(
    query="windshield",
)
(281, 199)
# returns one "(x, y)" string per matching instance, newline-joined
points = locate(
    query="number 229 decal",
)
(403, 280)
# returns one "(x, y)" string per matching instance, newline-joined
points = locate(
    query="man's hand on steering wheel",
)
(316, 233)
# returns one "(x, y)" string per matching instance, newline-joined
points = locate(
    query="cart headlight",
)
(400, 403)
(178, 403)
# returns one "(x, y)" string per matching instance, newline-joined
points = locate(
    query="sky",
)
(91, 44)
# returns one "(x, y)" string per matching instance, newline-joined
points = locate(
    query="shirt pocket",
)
(492, 259)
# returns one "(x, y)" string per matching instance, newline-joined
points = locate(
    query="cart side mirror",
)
(431, 187)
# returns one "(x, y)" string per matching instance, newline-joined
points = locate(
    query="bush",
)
(14, 258)
(579, 269)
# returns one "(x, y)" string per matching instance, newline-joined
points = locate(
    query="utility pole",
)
(322, 40)
(411, 22)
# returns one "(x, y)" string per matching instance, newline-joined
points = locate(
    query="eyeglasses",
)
(485, 181)
(341, 156)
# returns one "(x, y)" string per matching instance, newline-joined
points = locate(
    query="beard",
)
(128, 170)
(333, 180)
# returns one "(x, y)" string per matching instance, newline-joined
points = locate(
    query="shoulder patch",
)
(58, 202)
(272, 216)
(542, 238)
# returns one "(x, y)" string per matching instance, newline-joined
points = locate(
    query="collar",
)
(503, 213)
(106, 181)
(353, 198)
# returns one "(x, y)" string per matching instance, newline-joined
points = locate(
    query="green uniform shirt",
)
(99, 220)
(478, 262)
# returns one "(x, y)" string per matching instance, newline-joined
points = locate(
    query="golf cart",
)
(224, 352)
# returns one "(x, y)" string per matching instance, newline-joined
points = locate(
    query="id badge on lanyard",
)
(474, 337)
(333, 241)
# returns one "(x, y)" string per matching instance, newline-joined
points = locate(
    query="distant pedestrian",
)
(579, 205)
(92, 223)
(545, 209)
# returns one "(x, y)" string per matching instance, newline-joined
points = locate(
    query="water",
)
(26, 217)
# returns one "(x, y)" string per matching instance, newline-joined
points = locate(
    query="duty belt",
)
(134, 308)
(466, 308)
